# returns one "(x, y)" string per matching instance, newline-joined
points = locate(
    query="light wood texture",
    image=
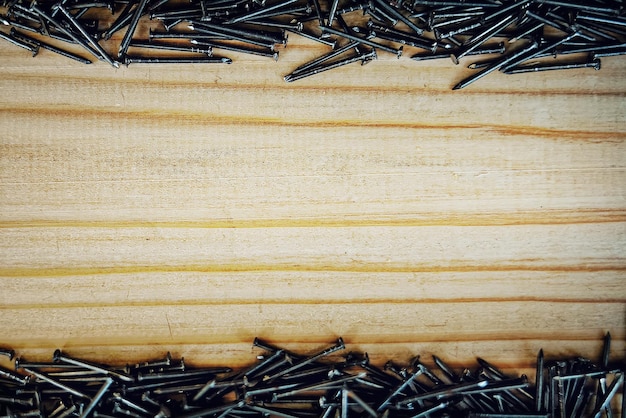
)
(192, 208)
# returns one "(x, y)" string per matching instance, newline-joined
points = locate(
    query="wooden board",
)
(191, 208)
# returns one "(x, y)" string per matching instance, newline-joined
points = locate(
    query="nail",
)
(312, 37)
(432, 409)
(623, 408)
(602, 18)
(351, 8)
(397, 52)
(270, 412)
(379, 14)
(398, 390)
(16, 401)
(329, 411)
(403, 37)
(269, 390)
(305, 375)
(152, 386)
(362, 403)
(339, 346)
(165, 60)
(331, 14)
(457, 31)
(70, 34)
(259, 343)
(316, 70)
(243, 50)
(329, 384)
(396, 14)
(302, 12)
(609, 53)
(499, 49)
(186, 374)
(550, 46)
(118, 410)
(560, 392)
(426, 371)
(7, 353)
(582, 6)
(49, 47)
(539, 382)
(224, 409)
(261, 11)
(447, 371)
(7, 374)
(462, 18)
(268, 37)
(96, 399)
(418, 43)
(34, 49)
(604, 404)
(400, 373)
(591, 48)
(201, 28)
(324, 58)
(69, 411)
(525, 32)
(119, 398)
(123, 19)
(496, 66)
(479, 39)
(344, 403)
(132, 26)
(379, 375)
(606, 348)
(45, 378)
(501, 385)
(594, 31)
(166, 47)
(87, 37)
(292, 26)
(595, 64)
(445, 392)
(488, 415)
(187, 14)
(60, 357)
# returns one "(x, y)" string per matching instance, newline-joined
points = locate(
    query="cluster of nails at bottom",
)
(286, 384)
(528, 34)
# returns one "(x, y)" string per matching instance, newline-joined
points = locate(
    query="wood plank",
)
(310, 287)
(377, 323)
(189, 209)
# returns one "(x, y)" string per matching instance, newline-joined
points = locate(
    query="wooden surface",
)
(191, 208)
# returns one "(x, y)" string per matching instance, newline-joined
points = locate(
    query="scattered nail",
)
(314, 385)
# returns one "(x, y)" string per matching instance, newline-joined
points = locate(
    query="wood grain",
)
(191, 208)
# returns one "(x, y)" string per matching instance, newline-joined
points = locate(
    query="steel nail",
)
(397, 52)
(7, 352)
(166, 60)
(496, 66)
(45, 378)
(60, 357)
(34, 49)
(96, 399)
(339, 346)
(49, 47)
(595, 64)
(86, 36)
(132, 26)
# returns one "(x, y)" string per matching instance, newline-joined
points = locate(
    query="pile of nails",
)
(286, 384)
(516, 36)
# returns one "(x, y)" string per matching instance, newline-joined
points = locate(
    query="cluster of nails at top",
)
(289, 385)
(528, 34)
